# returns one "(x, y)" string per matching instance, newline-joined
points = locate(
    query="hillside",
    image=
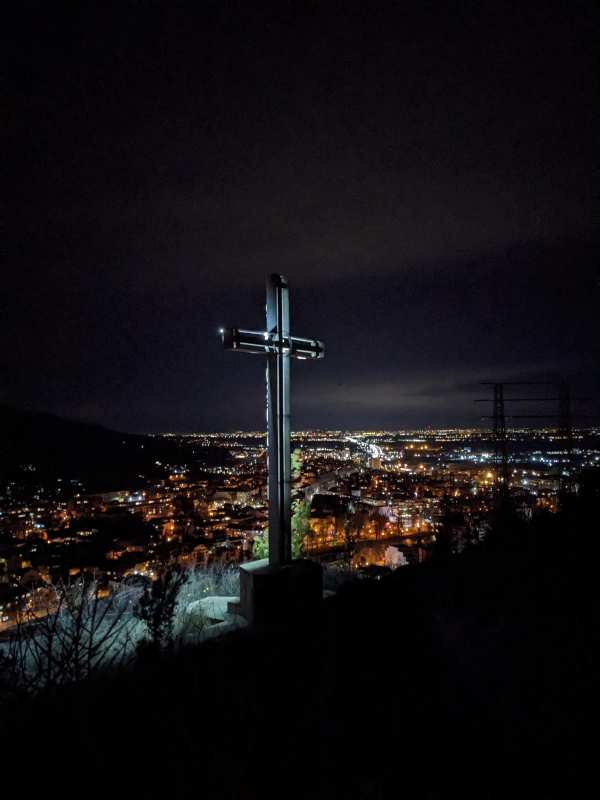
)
(70, 450)
(470, 677)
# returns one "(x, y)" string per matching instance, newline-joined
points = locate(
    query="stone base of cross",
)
(262, 581)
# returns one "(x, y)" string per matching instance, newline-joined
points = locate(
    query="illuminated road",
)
(328, 479)
(324, 482)
(372, 449)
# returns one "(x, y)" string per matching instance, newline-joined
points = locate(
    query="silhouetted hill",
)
(62, 448)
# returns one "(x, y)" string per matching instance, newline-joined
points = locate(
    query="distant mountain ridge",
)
(70, 450)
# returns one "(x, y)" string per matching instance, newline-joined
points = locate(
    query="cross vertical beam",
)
(278, 423)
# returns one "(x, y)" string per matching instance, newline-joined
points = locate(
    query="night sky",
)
(423, 173)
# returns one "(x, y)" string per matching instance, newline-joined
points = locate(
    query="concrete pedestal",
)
(279, 594)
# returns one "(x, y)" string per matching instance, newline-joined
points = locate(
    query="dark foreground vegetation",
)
(465, 677)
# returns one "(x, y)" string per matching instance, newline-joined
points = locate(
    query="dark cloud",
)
(423, 178)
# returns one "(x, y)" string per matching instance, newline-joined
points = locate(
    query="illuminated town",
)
(372, 501)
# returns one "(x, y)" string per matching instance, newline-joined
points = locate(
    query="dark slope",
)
(70, 450)
(466, 678)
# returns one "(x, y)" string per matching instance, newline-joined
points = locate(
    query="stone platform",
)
(275, 595)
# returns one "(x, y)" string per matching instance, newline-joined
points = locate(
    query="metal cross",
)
(279, 346)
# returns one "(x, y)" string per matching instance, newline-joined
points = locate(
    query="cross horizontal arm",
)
(265, 342)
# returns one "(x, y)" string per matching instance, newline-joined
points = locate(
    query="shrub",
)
(75, 633)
